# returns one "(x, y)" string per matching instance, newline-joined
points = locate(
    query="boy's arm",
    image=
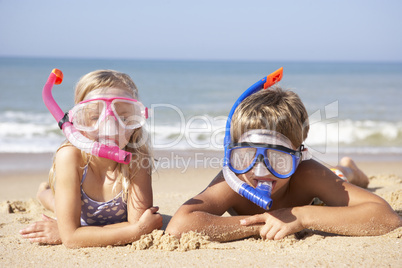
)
(203, 214)
(359, 213)
(349, 210)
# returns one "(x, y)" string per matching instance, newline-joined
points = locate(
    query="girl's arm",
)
(140, 196)
(203, 214)
(349, 210)
(68, 208)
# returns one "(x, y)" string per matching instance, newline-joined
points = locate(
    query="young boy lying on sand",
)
(267, 132)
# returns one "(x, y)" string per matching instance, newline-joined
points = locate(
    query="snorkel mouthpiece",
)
(114, 153)
(72, 134)
(260, 196)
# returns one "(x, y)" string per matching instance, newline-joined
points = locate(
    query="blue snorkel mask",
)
(261, 195)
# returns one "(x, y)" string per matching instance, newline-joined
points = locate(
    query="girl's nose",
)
(108, 113)
(109, 126)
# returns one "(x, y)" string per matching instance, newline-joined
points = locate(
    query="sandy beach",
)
(172, 187)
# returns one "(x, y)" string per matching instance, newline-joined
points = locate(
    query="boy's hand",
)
(277, 224)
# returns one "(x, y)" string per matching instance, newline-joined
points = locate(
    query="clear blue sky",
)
(290, 30)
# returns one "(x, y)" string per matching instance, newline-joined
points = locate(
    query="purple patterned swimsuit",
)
(101, 213)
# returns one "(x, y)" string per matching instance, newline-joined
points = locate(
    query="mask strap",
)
(306, 155)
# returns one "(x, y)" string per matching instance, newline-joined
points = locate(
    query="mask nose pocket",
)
(260, 170)
(109, 126)
(108, 112)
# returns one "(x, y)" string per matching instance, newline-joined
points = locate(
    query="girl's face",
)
(110, 132)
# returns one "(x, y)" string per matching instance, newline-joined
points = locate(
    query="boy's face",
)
(280, 162)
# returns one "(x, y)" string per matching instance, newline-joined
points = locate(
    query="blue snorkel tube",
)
(261, 195)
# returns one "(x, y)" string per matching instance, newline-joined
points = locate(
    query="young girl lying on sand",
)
(97, 201)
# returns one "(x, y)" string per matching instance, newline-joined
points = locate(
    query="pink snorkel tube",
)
(72, 134)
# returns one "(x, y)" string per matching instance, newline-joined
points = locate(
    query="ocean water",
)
(353, 107)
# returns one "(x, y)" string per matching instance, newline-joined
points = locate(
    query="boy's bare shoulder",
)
(311, 170)
(218, 188)
(311, 177)
(217, 198)
(310, 166)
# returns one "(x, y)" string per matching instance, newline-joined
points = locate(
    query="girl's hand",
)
(277, 224)
(151, 220)
(43, 232)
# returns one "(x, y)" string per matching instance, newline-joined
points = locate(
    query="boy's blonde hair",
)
(273, 109)
(139, 147)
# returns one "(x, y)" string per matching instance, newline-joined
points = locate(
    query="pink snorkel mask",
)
(88, 114)
(80, 141)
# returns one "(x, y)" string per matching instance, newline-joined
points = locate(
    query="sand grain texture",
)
(308, 248)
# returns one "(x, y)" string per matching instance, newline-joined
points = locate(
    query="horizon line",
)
(198, 60)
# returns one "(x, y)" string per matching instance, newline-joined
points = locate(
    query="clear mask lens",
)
(241, 158)
(129, 114)
(281, 162)
(244, 158)
(87, 116)
(257, 148)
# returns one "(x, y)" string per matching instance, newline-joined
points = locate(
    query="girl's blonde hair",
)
(139, 147)
(273, 109)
